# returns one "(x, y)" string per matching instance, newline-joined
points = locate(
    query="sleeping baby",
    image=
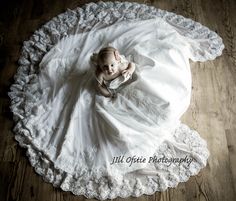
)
(112, 70)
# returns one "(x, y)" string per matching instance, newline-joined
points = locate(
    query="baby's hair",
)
(107, 50)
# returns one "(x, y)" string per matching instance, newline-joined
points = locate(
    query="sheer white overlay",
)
(72, 133)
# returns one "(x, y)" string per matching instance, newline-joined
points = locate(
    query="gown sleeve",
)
(204, 43)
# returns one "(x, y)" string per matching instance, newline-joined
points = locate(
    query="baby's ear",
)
(94, 59)
(117, 55)
(97, 70)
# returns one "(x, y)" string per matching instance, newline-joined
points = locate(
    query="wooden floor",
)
(212, 111)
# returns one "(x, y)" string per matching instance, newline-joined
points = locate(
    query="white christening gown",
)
(100, 147)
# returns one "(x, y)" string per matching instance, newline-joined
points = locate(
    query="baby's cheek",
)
(103, 70)
(118, 67)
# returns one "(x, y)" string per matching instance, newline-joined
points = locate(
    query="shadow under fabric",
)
(73, 134)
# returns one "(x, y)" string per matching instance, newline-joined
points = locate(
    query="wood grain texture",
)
(212, 110)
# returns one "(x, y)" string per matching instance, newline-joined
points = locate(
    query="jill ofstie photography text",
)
(131, 160)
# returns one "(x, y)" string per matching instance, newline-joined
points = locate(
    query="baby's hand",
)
(127, 73)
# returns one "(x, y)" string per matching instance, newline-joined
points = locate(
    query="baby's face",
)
(108, 64)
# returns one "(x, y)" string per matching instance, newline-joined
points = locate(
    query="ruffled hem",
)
(25, 95)
(96, 184)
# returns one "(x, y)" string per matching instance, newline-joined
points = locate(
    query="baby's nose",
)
(109, 68)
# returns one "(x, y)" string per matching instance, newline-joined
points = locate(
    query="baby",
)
(112, 71)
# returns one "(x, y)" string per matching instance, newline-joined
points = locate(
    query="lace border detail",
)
(100, 186)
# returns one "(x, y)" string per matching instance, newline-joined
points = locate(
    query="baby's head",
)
(108, 60)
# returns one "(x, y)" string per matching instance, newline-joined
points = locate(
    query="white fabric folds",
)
(103, 148)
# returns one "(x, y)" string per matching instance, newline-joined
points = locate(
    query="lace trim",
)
(95, 184)
(25, 96)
